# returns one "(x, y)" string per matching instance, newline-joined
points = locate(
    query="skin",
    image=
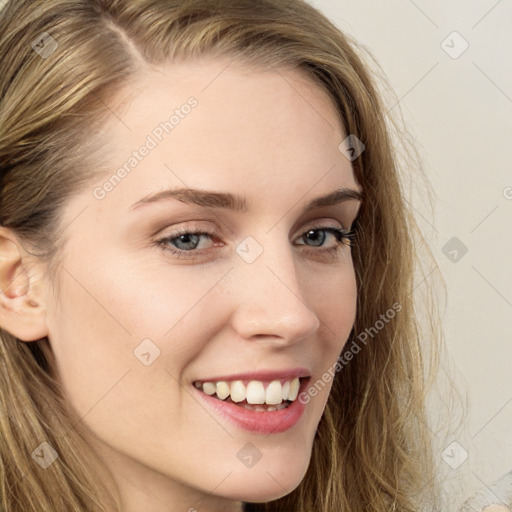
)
(270, 137)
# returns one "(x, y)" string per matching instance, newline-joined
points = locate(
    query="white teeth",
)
(286, 390)
(237, 391)
(255, 393)
(294, 389)
(222, 389)
(270, 408)
(209, 388)
(274, 393)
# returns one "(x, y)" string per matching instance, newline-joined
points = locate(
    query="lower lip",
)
(261, 422)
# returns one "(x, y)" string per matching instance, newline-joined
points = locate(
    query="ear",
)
(22, 311)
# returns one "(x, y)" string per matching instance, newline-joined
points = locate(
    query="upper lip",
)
(262, 375)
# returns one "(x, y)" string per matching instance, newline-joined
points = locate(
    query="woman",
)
(206, 265)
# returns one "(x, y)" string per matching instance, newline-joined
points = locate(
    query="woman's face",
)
(149, 321)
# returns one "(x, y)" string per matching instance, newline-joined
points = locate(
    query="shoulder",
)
(495, 498)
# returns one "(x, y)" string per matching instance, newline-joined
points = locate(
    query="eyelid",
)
(182, 230)
(339, 232)
(316, 224)
(324, 224)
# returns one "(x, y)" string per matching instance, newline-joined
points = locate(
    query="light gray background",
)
(460, 112)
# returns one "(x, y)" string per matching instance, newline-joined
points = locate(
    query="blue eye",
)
(183, 243)
(188, 239)
(342, 236)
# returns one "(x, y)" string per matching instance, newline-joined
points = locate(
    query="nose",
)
(270, 298)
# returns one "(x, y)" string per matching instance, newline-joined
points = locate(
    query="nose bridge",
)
(271, 300)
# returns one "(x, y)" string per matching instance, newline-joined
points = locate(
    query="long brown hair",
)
(61, 60)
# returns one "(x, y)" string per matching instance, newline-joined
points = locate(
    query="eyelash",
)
(343, 237)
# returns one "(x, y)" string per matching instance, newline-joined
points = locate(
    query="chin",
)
(267, 483)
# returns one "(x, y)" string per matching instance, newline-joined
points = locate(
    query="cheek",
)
(336, 308)
(115, 314)
(335, 305)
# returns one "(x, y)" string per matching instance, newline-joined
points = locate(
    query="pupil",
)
(186, 239)
(314, 234)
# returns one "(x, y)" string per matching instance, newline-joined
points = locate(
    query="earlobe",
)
(22, 310)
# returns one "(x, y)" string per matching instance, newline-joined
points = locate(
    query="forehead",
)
(250, 128)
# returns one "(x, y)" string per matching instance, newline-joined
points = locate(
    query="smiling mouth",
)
(254, 395)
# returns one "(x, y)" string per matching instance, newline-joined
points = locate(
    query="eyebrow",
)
(226, 200)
